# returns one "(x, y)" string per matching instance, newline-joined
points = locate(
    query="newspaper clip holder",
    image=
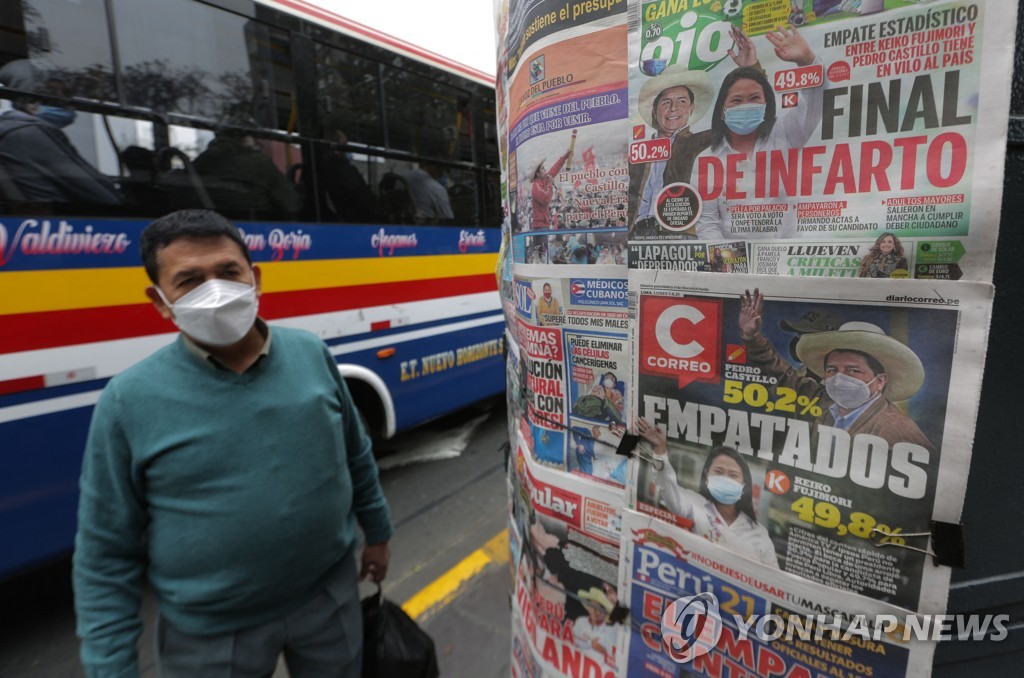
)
(628, 448)
(945, 539)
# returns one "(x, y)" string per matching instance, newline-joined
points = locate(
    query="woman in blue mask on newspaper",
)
(745, 122)
(723, 510)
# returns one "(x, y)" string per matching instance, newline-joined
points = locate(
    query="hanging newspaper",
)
(810, 428)
(818, 137)
(568, 127)
(702, 609)
(574, 358)
(566, 576)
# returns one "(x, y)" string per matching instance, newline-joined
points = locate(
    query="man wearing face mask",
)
(38, 164)
(231, 469)
(864, 370)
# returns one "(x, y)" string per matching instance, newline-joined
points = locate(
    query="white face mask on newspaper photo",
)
(848, 392)
(216, 313)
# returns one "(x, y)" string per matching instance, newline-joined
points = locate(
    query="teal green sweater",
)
(238, 494)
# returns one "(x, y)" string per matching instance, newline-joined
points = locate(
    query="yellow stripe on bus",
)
(39, 291)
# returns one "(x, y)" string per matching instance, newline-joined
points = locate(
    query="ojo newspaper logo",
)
(681, 338)
(691, 627)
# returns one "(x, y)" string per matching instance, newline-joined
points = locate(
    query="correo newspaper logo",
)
(681, 338)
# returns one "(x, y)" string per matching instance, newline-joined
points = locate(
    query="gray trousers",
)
(322, 638)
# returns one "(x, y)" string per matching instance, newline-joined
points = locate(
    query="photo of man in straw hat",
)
(864, 372)
(671, 103)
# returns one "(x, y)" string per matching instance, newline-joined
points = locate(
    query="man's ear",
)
(257, 279)
(158, 302)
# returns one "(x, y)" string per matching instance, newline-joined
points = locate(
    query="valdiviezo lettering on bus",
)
(701, 606)
(46, 237)
(873, 124)
(827, 428)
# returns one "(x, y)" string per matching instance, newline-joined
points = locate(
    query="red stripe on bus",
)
(23, 384)
(32, 331)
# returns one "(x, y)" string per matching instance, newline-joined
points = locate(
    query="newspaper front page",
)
(826, 138)
(842, 417)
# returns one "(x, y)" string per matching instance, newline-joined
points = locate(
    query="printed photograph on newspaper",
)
(810, 429)
(577, 410)
(566, 576)
(835, 138)
(567, 147)
(700, 610)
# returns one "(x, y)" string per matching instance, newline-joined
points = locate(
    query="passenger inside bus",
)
(38, 164)
(346, 195)
(240, 179)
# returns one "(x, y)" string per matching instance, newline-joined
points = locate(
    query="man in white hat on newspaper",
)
(865, 371)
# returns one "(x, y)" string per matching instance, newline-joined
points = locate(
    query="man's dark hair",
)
(876, 367)
(185, 224)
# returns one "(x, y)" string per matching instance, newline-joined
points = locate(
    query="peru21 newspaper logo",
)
(681, 338)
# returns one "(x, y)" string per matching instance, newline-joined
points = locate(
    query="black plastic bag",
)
(393, 645)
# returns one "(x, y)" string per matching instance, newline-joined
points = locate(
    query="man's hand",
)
(751, 312)
(375, 562)
(655, 435)
(790, 46)
(742, 51)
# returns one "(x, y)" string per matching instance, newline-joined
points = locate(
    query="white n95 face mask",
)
(216, 313)
(848, 392)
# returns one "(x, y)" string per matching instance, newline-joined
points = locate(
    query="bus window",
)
(490, 145)
(66, 37)
(348, 89)
(426, 117)
(205, 63)
(347, 191)
(234, 171)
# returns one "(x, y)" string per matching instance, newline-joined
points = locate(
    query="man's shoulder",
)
(291, 336)
(145, 376)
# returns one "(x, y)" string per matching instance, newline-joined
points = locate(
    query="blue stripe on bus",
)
(30, 244)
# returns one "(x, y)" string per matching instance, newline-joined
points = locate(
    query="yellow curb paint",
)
(446, 588)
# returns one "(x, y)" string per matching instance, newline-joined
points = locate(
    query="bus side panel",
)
(435, 375)
(39, 469)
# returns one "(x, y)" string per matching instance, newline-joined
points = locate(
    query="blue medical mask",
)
(725, 490)
(745, 118)
(56, 115)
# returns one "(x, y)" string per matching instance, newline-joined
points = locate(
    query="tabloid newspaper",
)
(573, 340)
(830, 138)
(568, 131)
(844, 414)
(751, 610)
(566, 573)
